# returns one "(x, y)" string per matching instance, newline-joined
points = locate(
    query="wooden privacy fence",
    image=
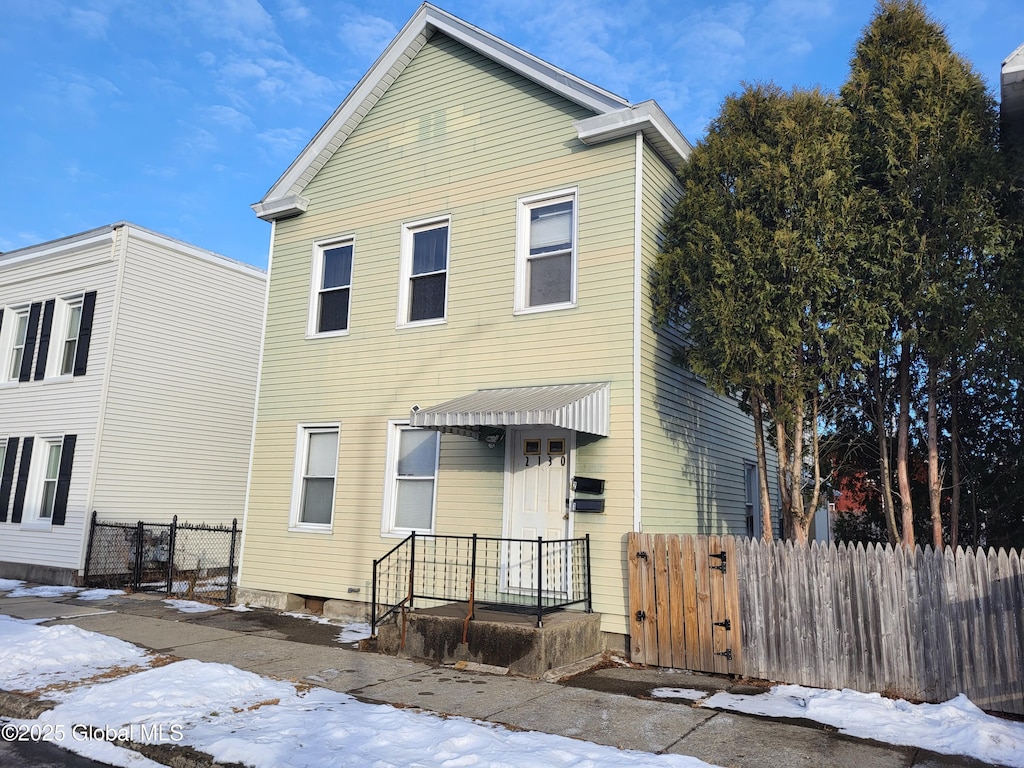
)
(923, 625)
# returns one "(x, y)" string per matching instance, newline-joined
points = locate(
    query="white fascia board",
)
(60, 247)
(284, 198)
(187, 249)
(1015, 61)
(281, 207)
(647, 117)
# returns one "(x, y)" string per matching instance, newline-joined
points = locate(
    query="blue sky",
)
(178, 114)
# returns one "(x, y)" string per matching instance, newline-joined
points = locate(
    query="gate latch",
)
(641, 615)
(727, 624)
(641, 555)
(719, 556)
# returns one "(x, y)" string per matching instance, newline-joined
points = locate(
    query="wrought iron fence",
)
(183, 559)
(529, 575)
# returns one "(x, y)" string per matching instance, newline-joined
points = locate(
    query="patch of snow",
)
(98, 594)
(190, 606)
(9, 584)
(44, 591)
(691, 694)
(307, 617)
(240, 608)
(955, 727)
(353, 633)
(33, 657)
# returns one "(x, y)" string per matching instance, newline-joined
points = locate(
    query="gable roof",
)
(614, 116)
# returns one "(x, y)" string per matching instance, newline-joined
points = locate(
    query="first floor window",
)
(51, 470)
(43, 479)
(412, 475)
(424, 286)
(546, 253)
(316, 468)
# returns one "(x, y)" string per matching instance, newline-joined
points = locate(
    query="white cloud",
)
(244, 22)
(295, 11)
(367, 35)
(284, 141)
(229, 117)
(88, 22)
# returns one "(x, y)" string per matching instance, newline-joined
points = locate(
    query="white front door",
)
(538, 507)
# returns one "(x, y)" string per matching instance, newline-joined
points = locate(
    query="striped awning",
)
(580, 407)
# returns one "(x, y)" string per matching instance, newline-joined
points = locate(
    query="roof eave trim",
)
(647, 117)
(273, 209)
(426, 20)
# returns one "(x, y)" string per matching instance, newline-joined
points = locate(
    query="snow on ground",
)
(353, 633)
(98, 594)
(34, 657)
(238, 716)
(44, 591)
(955, 727)
(690, 694)
(9, 584)
(190, 606)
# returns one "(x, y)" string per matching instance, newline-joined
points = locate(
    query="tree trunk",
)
(785, 489)
(884, 469)
(954, 460)
(903, 442)
(796, 463)
(756, 400)
(934, 483)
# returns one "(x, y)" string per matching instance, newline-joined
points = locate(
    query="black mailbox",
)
(588, 505)
(588, 485)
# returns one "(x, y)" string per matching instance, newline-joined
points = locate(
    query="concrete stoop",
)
(494, 638)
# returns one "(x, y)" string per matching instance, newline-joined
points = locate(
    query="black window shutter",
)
(30, 341)
(22, 486)
(84, 333)
(1, 318)
(67, 458)
(7, 477)
(44, 339)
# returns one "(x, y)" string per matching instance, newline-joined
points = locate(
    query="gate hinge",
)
(720, 556)
(641, 615)
(727, 624)
(727, 653)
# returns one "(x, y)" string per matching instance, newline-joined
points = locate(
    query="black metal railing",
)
(183, 559)
(528, 575)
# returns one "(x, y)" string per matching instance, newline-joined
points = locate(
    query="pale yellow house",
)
(458, 326)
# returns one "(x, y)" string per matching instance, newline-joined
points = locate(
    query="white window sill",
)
(403, 534)
(8, 384)
(310, 528)
(327, 335)
(544, 308)
(423, 323)
(37, 525)
(59, 379)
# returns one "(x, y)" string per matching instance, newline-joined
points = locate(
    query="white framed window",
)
(316, 468)
(330, 299)
(751, 503)
(423, 290)
(546, 252)
(64, 338)
(13, 340)
(43, 475)
(411, 480)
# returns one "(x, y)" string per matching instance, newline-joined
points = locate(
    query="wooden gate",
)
(684, 602)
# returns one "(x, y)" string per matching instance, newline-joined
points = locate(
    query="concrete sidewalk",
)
(606, 706)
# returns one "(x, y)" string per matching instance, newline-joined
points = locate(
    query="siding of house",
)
(68, 405)
(182, 385)
(456, 135)
(695, 443)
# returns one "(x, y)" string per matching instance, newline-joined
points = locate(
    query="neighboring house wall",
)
(55, 405)
(456, 136)
(161, 416)
(181, 386)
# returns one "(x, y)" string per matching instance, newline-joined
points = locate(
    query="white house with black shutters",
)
(128, 367)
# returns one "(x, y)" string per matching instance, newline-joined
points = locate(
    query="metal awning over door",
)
(580, 407)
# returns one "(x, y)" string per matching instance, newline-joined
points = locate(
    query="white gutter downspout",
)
(118, 253)
(637, 332)
(256, 402)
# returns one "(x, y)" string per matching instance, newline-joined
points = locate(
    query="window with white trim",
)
(332, 288)
(72, 325)
(43, 475)
(751, 503)
(13, 339)
(423, 292)
(316, 467)
(411, 479)
(546, 252)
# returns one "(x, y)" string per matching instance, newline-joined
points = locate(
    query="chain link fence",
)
(182, 559)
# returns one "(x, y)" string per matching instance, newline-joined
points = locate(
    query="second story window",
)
(546, 253)
(72, 328)
(19, 338)
(423, 293)
(332, 288)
